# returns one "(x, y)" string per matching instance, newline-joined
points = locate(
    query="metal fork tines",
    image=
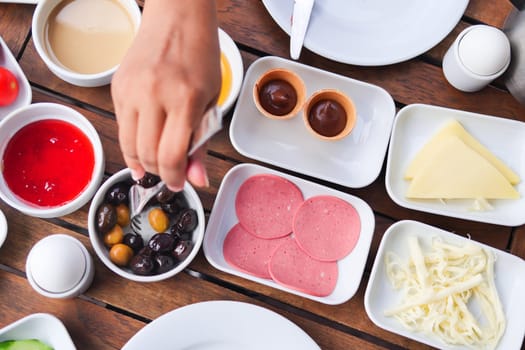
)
(139, 197)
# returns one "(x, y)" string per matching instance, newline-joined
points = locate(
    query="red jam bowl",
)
(52, 160)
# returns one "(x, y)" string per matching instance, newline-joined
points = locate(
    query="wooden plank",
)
(15, 25)
(90, 326)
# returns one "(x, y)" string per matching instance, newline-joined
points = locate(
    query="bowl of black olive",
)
(154, 245)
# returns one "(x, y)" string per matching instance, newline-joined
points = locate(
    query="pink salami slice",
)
(265, 205)
(249, 253)
(291, 267)
(327, 228)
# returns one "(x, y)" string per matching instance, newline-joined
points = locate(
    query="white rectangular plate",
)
(44, 327)
(354, 161)
(380, 295)
(7, 60)
(415, 124)
(223, 218)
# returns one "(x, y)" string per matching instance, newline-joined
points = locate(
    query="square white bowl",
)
(415, 124)
(380, 295)
(354, 161)
(223, 218)
(44, 327)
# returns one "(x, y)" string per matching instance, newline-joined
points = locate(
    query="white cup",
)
(42, 12)
(479, 55)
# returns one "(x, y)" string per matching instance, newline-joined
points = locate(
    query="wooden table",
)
(114, 309)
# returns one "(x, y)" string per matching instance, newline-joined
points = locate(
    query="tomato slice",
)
(8, 87)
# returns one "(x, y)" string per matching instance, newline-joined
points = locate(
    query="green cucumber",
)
(28, 344)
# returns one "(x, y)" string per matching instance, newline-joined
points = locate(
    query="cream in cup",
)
(84, 41)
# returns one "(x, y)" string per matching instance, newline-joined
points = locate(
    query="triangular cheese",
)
(453, 127)
(458, 172)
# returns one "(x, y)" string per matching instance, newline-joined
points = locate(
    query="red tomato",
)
(8, 87)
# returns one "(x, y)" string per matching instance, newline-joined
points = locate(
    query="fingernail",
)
(175, 188)
(136, 175)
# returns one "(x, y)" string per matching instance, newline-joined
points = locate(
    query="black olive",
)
(134, 241)
(148, 180)
(175, 205)
(146, 251)
(142, 265)
(182, 250)
(164, 263)
(118, 193)
(180, 235)
(187, 220)
(165, 195)
(161, 242)
(106, 218)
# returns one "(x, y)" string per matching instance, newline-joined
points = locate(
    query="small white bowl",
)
(44, 327)
(3, 228)
(44, 111)
(59, 267)
(103, 252)
(233, 55)
(40, 17)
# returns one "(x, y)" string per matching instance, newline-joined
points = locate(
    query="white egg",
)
(484, 50)
(57, 263)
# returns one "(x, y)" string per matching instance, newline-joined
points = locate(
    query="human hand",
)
(167, 80)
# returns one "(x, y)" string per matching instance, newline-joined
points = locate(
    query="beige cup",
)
(280, 74)
(336, 96)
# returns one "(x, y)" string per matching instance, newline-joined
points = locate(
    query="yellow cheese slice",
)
(459, 172)
(427, 153)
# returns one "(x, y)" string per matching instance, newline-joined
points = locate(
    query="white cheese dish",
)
(416, 124)
(381, 296)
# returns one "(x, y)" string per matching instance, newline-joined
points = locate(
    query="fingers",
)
(150, 125)
(196, 170)
(127, 134)
(173, 149)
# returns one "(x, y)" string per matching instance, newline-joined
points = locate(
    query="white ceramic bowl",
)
(40, 17)
(103, 252)
(3, 228)
(233, 55)
(44, 111)
(44, 327)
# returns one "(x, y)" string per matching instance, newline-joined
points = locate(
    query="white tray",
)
(223, 218)
(380, 295)
(8, 61)
(354, 161)
(415, 124)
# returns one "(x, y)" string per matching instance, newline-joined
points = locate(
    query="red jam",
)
(48, 162)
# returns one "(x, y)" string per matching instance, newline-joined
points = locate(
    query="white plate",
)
(8, 61)
(354, 161)
(380, 295)
(372, 33)
(232, 53)
(20, 1)
(223, 218)
(415, 124)
(44, 327)
(221, 325)
(3, 228)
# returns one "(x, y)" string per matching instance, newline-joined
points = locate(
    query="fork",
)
(139, 196)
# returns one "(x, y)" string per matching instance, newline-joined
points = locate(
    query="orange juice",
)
(226, 72)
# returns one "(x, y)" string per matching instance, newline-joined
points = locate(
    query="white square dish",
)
(223, 218)
(354, 161)
(25, 95)
(44, 327)
(380, 295)
(415, 124)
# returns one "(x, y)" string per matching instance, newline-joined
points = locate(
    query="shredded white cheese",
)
(448, 291)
